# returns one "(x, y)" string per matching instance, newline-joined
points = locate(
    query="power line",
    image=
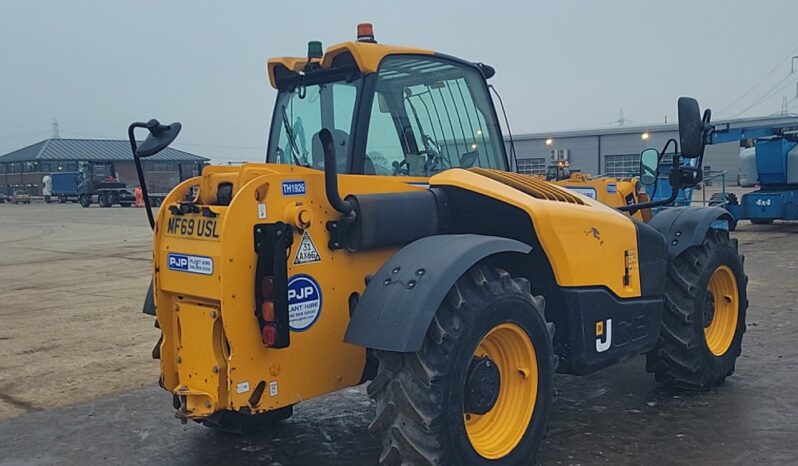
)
(770, 93)
(760, 81)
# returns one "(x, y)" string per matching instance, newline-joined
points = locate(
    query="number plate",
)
(194, 227)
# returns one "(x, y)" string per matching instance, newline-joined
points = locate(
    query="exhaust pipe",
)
(331, 176)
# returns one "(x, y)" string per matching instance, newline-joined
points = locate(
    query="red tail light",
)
(269, 328)
(269, 335)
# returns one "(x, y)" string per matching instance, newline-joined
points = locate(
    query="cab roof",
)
(366, 56)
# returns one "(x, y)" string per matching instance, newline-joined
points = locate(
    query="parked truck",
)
(64, 186)
(99, 183)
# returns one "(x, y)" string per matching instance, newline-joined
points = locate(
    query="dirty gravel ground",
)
(72, 281)
(71, 284)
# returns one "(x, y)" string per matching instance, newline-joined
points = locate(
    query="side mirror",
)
(649, 159)
(690, 128)
(160, 137)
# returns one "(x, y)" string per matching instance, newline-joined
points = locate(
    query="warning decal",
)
(306, 253)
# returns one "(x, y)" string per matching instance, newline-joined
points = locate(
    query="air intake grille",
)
(530, 185)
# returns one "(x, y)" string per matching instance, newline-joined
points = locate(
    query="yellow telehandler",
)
(385, 240)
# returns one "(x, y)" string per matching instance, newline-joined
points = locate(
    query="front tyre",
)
(704, 318)
(480, 388)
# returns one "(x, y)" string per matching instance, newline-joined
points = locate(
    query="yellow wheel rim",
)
(722, 319)
(497, 432)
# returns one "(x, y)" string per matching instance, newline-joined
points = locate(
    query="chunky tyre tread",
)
(679, 358)
(409, 387)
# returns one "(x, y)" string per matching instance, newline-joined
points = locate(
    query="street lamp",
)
(549, 141)
(644, 136)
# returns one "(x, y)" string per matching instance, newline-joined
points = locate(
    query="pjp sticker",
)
(304, 302)
(188, 263)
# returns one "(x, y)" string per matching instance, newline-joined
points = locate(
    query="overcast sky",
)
(97, 65)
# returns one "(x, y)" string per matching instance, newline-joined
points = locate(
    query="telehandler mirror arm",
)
(633, 208)
(160, 137)
(675, 179)
(139, 170)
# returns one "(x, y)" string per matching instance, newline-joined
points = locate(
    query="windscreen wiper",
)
(291, 138)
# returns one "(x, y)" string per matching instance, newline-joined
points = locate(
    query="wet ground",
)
(617, 416)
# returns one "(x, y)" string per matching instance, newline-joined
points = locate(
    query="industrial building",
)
(616, 151)
(23, 169)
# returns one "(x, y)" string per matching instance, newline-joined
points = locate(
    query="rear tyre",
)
(234, 422)
(85, 200)
(61, 200)
(704, 318)
(480, 388)
(103, 200)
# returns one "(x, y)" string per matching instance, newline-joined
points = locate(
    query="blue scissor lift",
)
(776, 158)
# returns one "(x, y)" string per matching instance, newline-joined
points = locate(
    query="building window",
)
(159, 166)
(622, 166)
(533, 166)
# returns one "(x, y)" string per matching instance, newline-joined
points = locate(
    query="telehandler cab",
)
(385, 240)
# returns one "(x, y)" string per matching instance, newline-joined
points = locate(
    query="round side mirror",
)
(160, 137)
(648, 166)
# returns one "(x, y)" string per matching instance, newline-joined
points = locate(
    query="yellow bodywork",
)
(585, 244)
(614, 192)
(212, 352)
(367, 56)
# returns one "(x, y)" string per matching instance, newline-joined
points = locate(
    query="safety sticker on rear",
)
(304, 302)
(191, 264)
(306, 253)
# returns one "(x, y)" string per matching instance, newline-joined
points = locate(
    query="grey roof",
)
(90, 150)
(655, 128)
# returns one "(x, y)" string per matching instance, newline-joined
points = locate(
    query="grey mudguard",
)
(398, 305)
(149, 302)
(684, 227)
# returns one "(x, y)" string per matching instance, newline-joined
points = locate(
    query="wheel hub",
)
(482, 386)
(709, 309)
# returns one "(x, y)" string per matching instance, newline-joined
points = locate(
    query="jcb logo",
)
(603, 335)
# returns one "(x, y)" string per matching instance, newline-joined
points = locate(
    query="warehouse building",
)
(23, 169)
(616, 151)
